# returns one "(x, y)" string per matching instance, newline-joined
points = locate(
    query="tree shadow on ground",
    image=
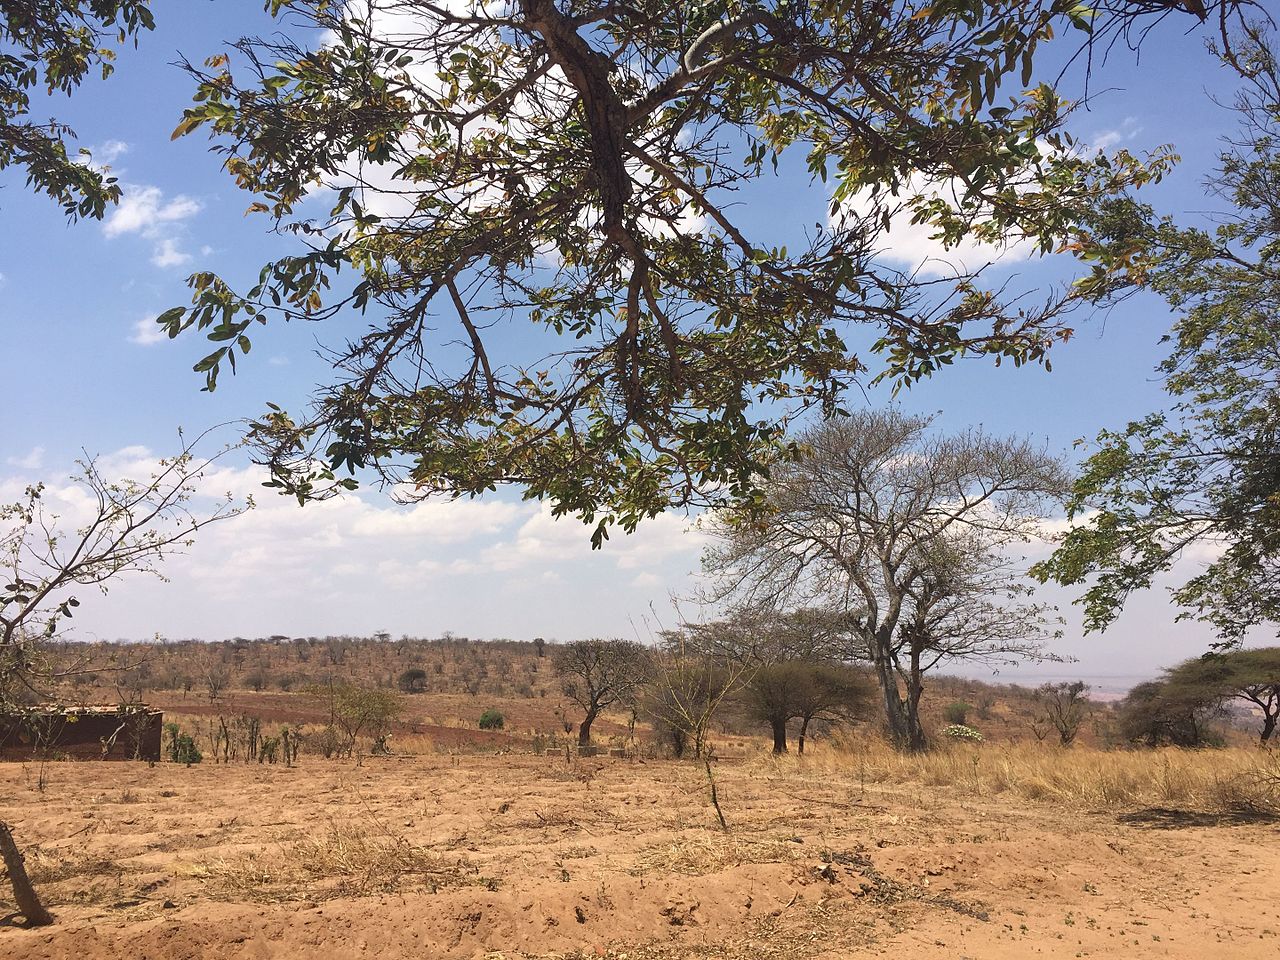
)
(1168, 818)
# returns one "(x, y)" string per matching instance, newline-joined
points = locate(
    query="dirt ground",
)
(505, 856)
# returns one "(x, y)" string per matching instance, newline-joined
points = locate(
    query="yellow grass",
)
(1232, 780)
(342, 860)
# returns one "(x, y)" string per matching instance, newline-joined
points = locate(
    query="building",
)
(110, 732)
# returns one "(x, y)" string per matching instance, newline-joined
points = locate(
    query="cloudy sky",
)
(82, 368)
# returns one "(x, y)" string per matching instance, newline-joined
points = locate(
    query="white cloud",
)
(110, 151)
(33, 460)
(167, 254)
(147, 333)
(144, 210)
(1106, 139)
(914, 247)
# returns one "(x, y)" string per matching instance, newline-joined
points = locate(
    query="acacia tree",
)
(110, 528)
(1206, 473)
(1252, 675)
(597, 674)
(1162, 712)
(574, 166)
(907, 536)
(55, 44)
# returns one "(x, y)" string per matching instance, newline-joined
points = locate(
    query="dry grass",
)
(1234, 780)
(346, 860)
(702, 855)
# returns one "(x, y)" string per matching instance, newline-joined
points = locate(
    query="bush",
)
(182, 748)
(958, 731)
(491, 720)
(957, 713)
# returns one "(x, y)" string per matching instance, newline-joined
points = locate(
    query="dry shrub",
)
(345, 861)
(1238, 779)
(709, 854)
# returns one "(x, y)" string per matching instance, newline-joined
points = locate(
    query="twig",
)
(715, 800)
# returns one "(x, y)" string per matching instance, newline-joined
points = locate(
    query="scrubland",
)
(980, 851)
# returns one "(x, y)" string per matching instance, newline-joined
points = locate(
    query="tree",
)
(55, 44)
(688, 686)
(906, 537)
(575, 166)
(111, 528)
(1206, 473)
(358, 711)
(1159, 712)
(1252, 675)
(413, 680)
(596, 674)
(831, 693)
(1063, 707)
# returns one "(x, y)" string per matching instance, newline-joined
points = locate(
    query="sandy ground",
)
(515, 856)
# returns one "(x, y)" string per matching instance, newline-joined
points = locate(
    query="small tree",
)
(540, 647)
(781, 692)
(103, 529)
(596, 674)
(491, 720)
(687, 688)
(835, 693)
(359, 711)
(413, 680)
(1062, 707)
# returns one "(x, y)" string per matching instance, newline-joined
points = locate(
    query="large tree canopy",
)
(534, 205)
(1205, 474)
(55, 44)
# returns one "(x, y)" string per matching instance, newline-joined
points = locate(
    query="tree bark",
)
(1268, 726)
(894, 717)
(804, 728)
(779, 735)
(23, 893)
(584, 729)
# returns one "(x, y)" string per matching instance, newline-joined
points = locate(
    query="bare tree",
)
(687, 688)
(907, 536)
(596, 674)
(115, 527)
(1064, 707)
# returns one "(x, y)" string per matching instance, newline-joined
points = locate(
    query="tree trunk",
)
(584, 729)
(804, 728)
(779, 735)
(1268, 726)
(894, 715)
(915, 687)
(23, 893)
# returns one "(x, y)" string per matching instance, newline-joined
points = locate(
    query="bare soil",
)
(505, 856)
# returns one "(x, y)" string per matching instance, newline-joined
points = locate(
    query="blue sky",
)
(81, 368)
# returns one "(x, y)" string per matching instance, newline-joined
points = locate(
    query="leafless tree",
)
(596, 674)
(907, 536)
(116, 527)
(687, 689)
